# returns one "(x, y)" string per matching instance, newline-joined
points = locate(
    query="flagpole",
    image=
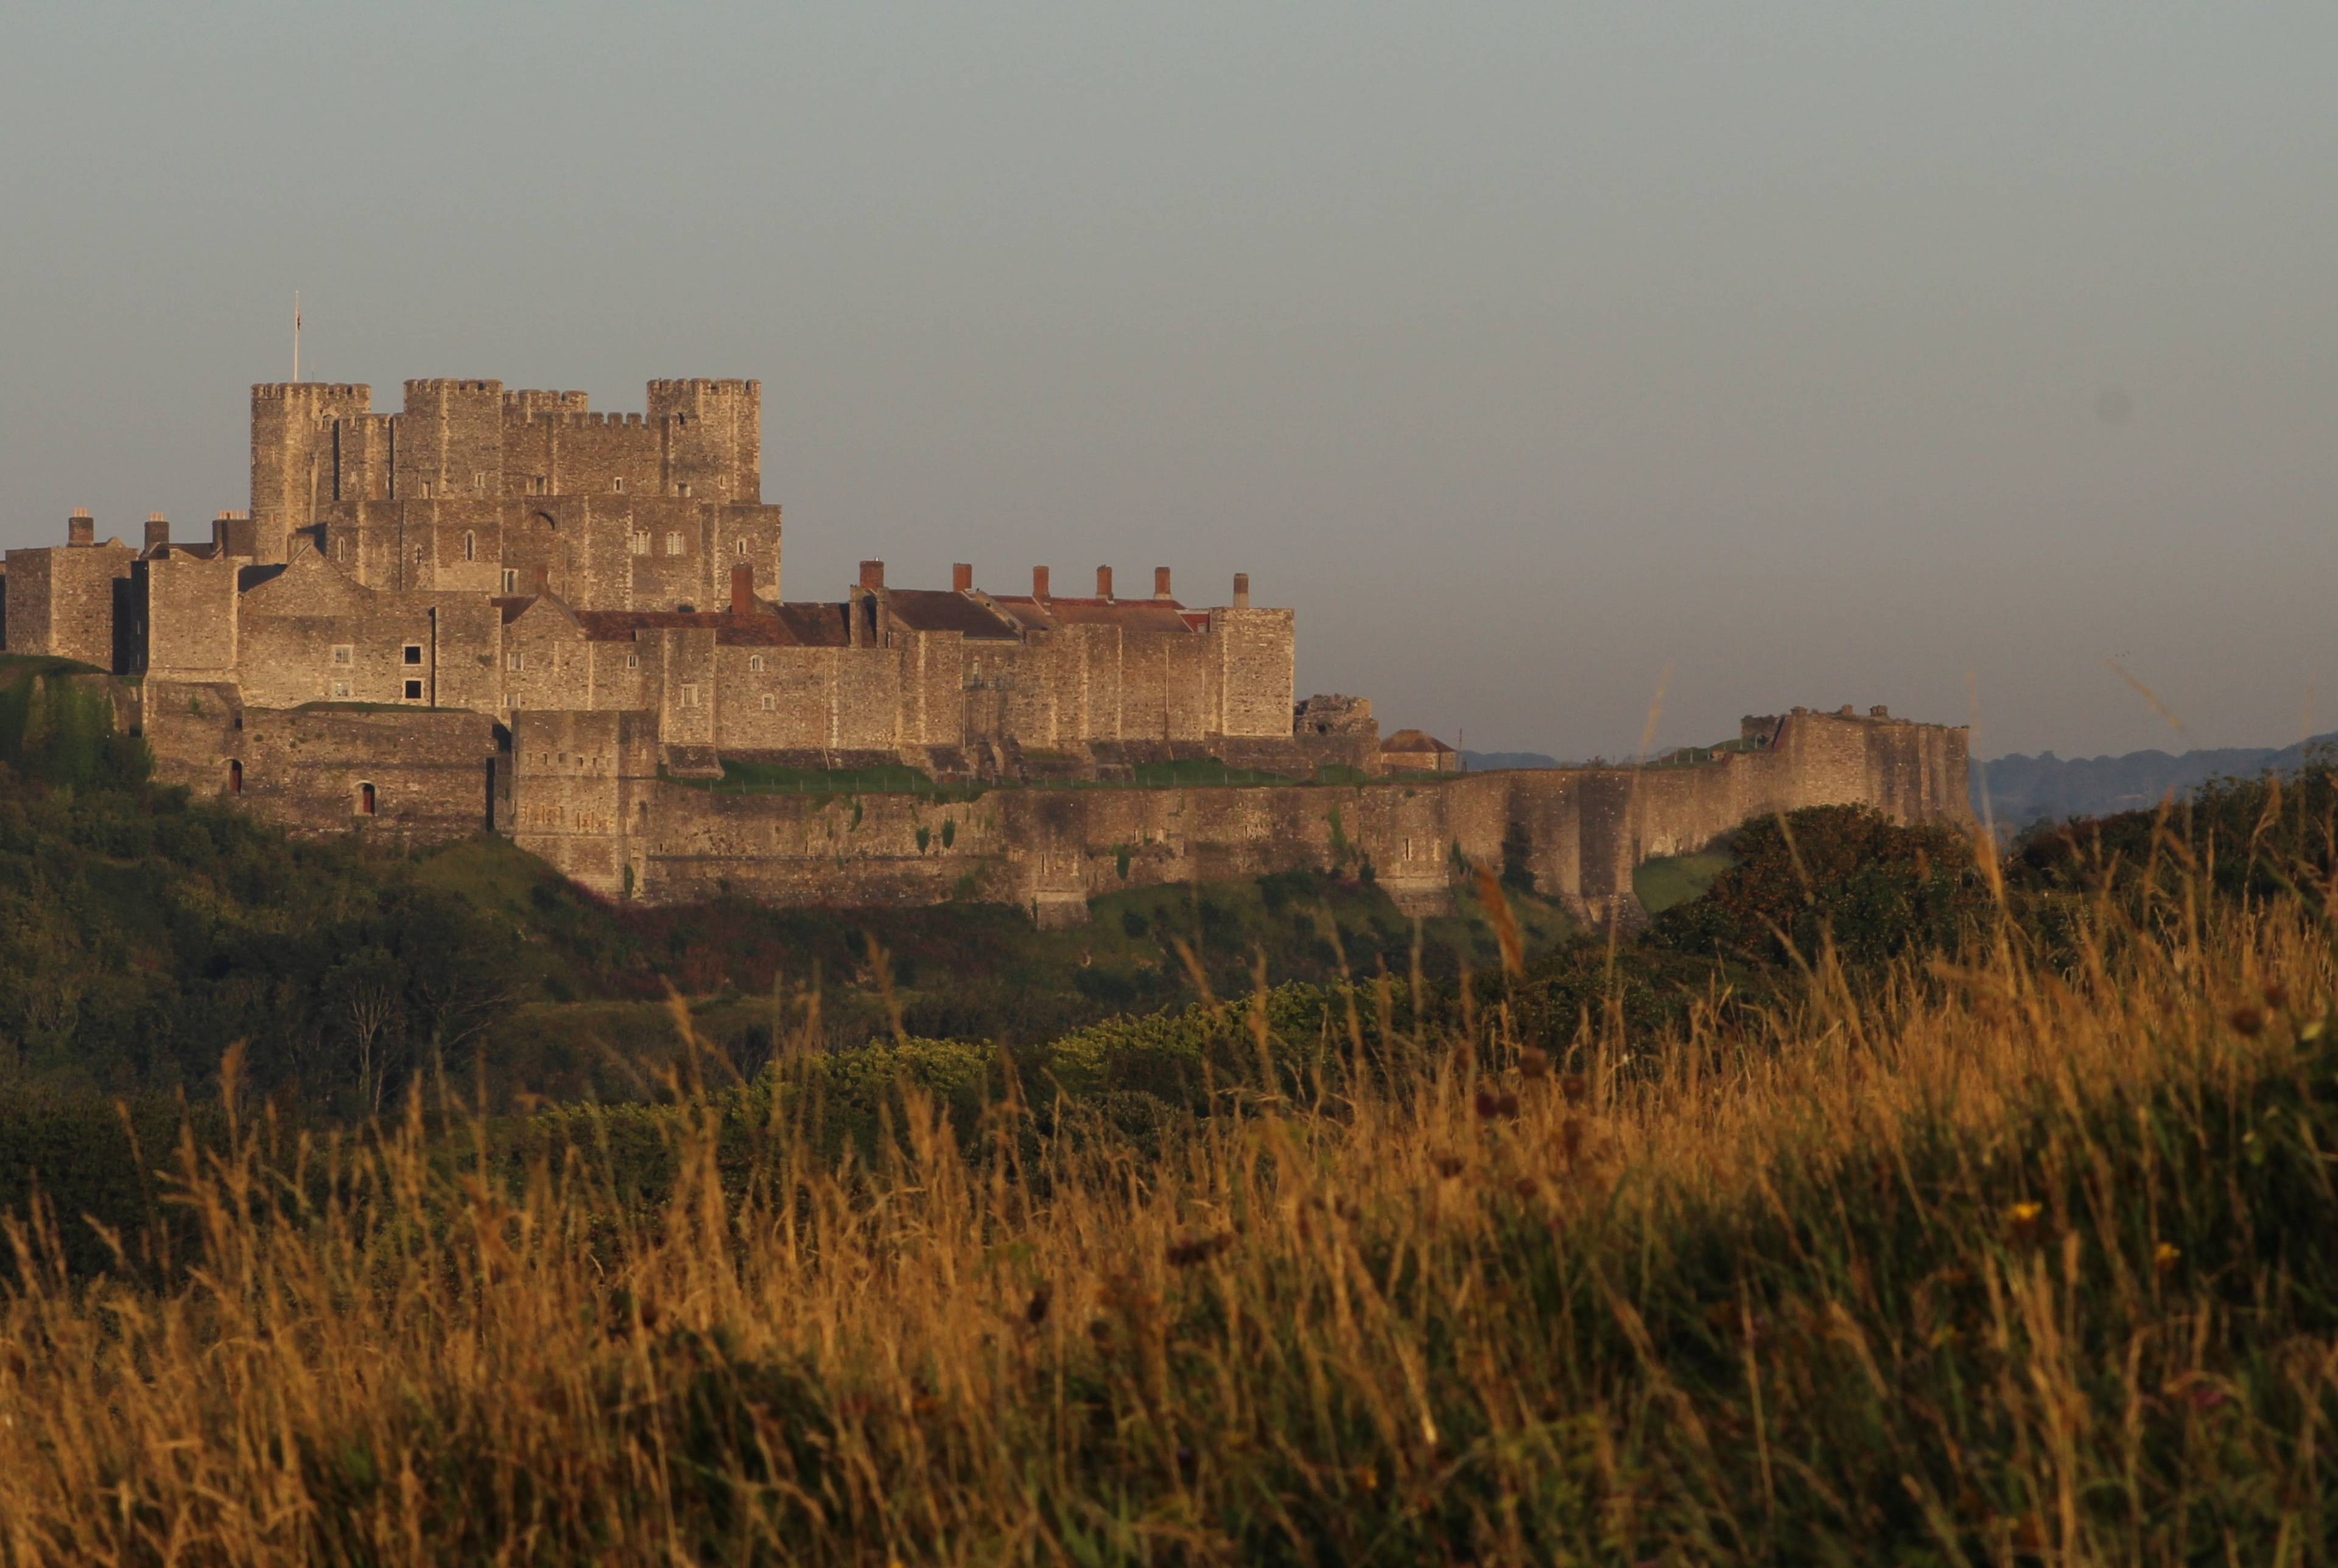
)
(295, 334)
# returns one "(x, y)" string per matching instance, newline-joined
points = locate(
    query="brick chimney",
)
(1104, 582)
(962, 577)
(81, 528)
(1161, 583)
(158, 530)
(742, 589)
(872, 575)
(1039, 583)
(1241, 590)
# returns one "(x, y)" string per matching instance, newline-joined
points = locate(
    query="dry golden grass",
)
(2002, 1266)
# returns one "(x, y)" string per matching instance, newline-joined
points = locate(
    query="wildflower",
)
(2164, 1257)
(2311, 1031)
(2247, 1022)
(2025, 1219)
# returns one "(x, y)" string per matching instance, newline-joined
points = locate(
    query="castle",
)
(498, 610)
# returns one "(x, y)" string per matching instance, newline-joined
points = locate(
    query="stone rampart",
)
(592, 802)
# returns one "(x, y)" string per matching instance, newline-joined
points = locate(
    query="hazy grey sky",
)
(1814, 352)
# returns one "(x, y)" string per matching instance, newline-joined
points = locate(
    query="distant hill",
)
(1486, 761)
(2025, 789)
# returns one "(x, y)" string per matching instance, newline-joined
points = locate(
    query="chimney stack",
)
(1241, 590)
(1161, 583)
(81, 528)
(1104, 582)
(872, 575)
(158, 530)
(1040, 583)
(962, 577)
(742, 589)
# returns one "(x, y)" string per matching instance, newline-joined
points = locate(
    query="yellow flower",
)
(2164, 1256)
(2025, 1213)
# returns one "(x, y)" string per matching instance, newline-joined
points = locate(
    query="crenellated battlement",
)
(729, 386)
(440, 387)
(312, 392)
(532, 400)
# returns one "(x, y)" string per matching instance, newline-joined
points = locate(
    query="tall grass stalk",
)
(1997, 1263)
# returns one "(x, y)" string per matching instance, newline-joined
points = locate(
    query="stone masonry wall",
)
(1582, 830)
(61, 601)
(433, 770)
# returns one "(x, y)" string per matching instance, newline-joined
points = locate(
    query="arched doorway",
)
(365, 800)
(234, 777)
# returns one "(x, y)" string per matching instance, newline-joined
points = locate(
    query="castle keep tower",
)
(296, 458)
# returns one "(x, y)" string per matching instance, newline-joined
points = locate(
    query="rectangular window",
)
(770, 703)
(513, 661)
(689, 695)
(633, 660)
(641, 543)
(414, 690)
(673, 544)
(340, 691)
(344, 654)
(417, 554)
(511, 580)
(414, 652)
(479, 483)
(740, 547)
(755, 662)
(617, 485)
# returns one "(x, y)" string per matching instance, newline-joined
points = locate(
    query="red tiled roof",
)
(1129, 615)
(762, 629)
(934, 609)
(816, 625)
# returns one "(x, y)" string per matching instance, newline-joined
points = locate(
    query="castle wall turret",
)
(714, 434)
(449, 440)
(295, 462)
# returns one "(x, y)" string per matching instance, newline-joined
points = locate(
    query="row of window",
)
(676, 543)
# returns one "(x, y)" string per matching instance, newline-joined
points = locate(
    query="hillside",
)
(2022, 790)
(1996, 1241)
